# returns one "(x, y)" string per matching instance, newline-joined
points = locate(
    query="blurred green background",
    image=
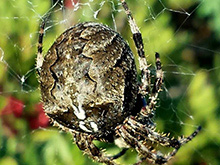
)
(185, 33)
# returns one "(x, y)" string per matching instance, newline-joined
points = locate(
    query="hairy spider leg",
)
(84, 142)
(159, 75)
(145, 86)
(136, 134)
(143, 150)
(152, 100)
(118, 155)
(148, 132)
(137, 37)
(182, 141)
(40, 57)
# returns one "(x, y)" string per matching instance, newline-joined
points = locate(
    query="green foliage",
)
(189, 53)
(211, 11)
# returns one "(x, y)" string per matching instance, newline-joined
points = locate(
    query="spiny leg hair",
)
(84, 142)
(132, 133)
(137, 37)
(148, 132)
(145, 86)
(148, 109)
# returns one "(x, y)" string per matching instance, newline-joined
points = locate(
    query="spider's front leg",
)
(40, 58)
(84, 142)
(138, 40)
(145, 81)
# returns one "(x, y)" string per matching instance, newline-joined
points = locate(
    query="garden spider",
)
(89, 88)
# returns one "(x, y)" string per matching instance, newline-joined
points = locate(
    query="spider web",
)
(186, 35)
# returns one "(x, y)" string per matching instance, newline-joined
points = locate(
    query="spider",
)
(89, 88)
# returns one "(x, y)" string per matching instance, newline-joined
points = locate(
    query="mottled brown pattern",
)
(91, 65)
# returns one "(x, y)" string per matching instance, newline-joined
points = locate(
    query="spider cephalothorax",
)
(89, 88)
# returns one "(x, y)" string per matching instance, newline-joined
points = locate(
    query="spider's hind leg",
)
(84, 142)
(118, 155)
(148, 132)
(135, 140)
(141, 137)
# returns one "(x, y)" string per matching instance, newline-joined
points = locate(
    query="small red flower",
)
(70, 3)
(39, 119)
(12, 111)
(14, 106)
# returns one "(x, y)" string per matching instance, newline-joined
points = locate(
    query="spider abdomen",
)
(88, 80)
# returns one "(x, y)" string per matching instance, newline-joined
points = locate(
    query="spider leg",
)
(159, 75)
(136, 135)
(137, 37)
(148, 132)
(145, 84)
(183, 141)
(118, 155)
(153, 95)
(40, 57)
(143, 150)
(84, 142)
